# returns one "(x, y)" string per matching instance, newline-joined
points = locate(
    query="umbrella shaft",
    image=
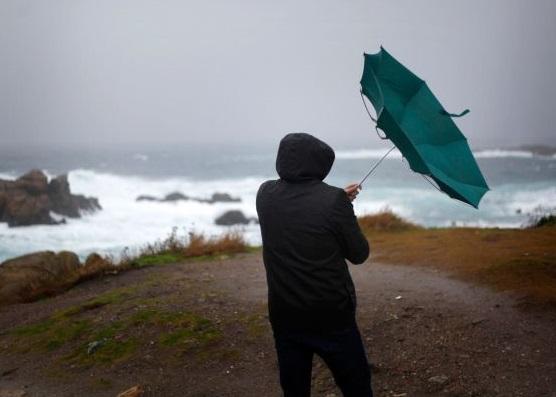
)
(376, 165)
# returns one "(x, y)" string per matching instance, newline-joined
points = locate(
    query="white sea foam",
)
(527, 201)
(501, 153)
(124, 222)
(8, 175)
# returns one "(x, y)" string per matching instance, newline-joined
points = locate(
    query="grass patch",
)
(179, 328)
(110, 352)
(157, 259)
(119, 340)
(65, 326)
(519, 260)
(115, 296)
(76, 329)
(48, 334)
(34, 329)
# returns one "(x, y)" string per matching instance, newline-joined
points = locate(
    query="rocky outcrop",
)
(65, 203)
(222, 198)
(233, 217)
(32, 276)
(94, 265)
(146, 197)
(29, 200)
(177, 196)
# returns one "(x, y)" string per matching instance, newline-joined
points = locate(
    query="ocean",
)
(520, 182)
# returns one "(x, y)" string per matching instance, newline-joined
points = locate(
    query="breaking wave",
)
(125, 222)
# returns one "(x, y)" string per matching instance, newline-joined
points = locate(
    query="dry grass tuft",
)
(385, 220)
(228, 243)
(192, 245)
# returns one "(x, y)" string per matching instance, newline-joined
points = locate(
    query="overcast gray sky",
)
(251, 70)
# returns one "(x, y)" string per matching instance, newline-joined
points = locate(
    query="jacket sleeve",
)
(353, 243)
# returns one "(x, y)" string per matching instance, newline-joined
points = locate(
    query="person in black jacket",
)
(308, 231)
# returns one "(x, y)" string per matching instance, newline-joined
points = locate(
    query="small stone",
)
(93, 346)
(135, 391)
(438, 379)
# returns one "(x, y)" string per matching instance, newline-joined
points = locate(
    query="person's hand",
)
(352, 190)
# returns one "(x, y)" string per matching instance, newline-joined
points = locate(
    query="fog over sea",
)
(520, 182)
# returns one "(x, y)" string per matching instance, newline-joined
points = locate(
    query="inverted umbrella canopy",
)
(424, 132)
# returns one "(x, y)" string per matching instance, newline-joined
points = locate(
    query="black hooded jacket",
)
(308, 230)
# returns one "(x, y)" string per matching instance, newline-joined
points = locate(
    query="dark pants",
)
(342, 351)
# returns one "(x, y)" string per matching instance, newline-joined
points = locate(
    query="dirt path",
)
(426, 334)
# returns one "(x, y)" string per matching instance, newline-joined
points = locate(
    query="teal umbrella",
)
(424, 132)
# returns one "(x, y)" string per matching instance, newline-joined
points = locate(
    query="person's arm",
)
(353, 243)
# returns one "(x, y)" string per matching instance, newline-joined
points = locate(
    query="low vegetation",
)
(82, 338)
(542, 216)
(25, 281)
(518, 260)
(385, 220)
(175, 248)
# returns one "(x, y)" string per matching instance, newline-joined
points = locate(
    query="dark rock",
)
(34, 182)
(145, 197)
(175, 196)
(28, 277)
(223, 198)
(29, 200)
(94, 265)
(22, 209)
(86, 204)
(65, 203)
(233, 217)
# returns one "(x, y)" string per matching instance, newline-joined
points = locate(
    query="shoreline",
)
(506, 259)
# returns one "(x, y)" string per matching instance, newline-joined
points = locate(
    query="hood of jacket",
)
(303, 157)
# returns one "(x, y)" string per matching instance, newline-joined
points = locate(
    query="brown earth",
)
(522, 261)
(199, 328)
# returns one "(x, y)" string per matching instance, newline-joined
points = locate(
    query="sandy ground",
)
(426, 334)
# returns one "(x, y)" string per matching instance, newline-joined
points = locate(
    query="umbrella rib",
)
(370, 115)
